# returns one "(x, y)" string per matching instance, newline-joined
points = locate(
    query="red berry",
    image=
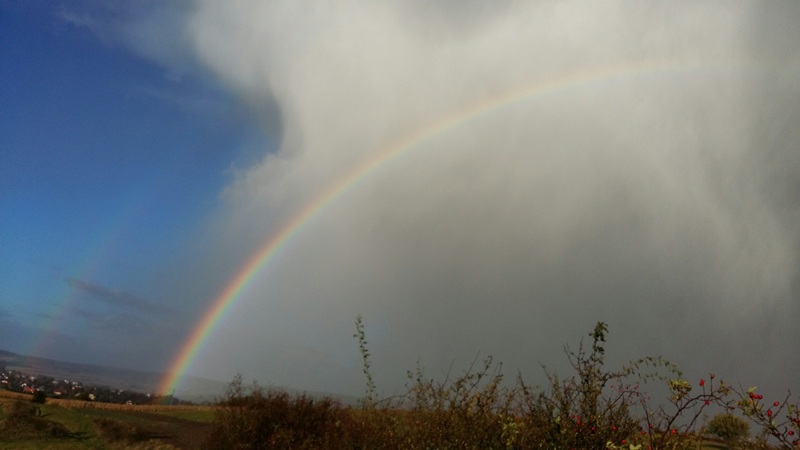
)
(776, 404)
(769, 412)
(702, 382)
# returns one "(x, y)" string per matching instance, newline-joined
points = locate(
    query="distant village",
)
(16, 381)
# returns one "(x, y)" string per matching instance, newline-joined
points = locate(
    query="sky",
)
(473, 179)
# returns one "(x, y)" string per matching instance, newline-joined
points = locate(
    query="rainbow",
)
(258, 260)
(93, 258)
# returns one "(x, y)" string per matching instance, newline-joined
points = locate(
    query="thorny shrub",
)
(254, 418)
(778, 420)
(594, 408)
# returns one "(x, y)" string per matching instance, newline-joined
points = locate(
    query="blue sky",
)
(148, 149)
(111, 167)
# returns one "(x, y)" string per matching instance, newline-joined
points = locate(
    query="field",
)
(67, 424)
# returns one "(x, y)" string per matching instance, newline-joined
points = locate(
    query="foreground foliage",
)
(594, 408)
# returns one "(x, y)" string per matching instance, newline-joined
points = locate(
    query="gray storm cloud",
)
(662, 199)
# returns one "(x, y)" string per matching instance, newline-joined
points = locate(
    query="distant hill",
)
(192, 388)
(195, 389)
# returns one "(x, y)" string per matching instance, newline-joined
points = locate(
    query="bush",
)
(254, 418)
(778, 420)
(39, 397)
(729, 428)
(594, 408)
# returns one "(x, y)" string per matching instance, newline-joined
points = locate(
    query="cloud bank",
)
(660, 196)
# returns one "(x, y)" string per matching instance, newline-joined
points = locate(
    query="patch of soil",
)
(181, 433)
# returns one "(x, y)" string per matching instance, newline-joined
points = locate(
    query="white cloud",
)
(648, 199)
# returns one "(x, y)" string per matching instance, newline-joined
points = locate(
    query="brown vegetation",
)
(595, 408)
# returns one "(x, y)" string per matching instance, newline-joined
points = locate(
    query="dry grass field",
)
(71, 424)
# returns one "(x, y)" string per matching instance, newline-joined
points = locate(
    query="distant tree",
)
(733, 430)
(39, 397)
